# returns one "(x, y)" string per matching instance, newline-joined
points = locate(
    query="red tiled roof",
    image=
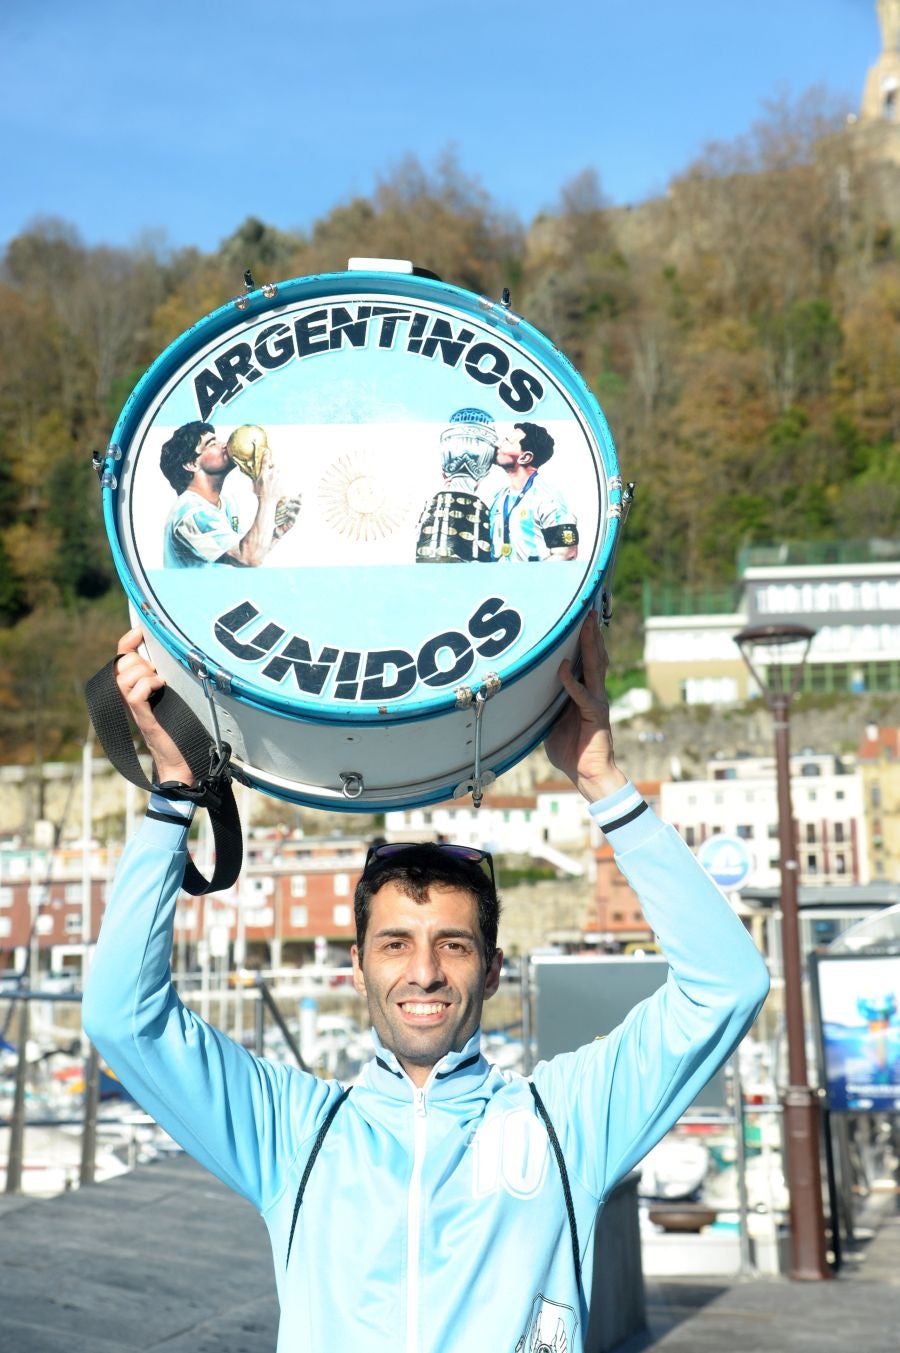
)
(885, 742)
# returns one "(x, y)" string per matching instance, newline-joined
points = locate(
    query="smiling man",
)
(442, 1205)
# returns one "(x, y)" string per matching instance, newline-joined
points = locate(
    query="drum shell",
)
(301, 760)
(413, 752)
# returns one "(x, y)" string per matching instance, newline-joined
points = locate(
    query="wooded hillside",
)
(741, 334)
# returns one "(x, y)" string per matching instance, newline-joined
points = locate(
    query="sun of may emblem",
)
(358, 501)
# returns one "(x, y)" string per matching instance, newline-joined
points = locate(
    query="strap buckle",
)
(208, 791)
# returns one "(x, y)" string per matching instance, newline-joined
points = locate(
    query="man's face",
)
(211, 455)
(509, 447)
(423, 974)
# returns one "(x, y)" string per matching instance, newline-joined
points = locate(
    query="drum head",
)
(321, 498)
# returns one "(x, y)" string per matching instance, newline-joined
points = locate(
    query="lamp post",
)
(785, 649)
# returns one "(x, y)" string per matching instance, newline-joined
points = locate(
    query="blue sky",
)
(122, 116)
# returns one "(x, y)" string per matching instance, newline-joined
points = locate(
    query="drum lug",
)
(352, 784)
(216, 677)
(479, 780)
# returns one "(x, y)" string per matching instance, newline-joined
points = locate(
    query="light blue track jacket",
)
(434, 1220)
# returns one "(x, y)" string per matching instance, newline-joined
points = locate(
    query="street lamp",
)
(782, 650)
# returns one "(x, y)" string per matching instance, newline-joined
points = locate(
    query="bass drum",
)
(320, 506)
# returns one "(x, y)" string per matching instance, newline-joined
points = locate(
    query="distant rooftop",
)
(675, 599)
(811, 552)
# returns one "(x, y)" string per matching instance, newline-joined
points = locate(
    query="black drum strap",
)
(317, 1146)
(107, 712)
(564, 1176)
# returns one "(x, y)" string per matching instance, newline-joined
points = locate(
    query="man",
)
(529, 521)
(204, 525)
(438, 1217)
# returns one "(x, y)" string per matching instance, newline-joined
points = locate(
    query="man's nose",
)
(424, 968)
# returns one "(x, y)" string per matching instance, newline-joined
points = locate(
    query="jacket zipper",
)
(413, 1224)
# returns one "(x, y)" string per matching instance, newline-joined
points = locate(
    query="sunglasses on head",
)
(391, 850)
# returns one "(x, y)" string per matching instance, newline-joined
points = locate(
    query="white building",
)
(848, 592)
(555, 816)
(739, 799)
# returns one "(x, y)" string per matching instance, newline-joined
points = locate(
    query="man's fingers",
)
(130, 642)
(594, 658)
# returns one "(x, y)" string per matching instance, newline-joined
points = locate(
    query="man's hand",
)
(286, 514)
(266, 485)
(137, 681)
(580, 742)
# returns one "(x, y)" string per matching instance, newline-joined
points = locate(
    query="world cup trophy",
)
(248, 446)
(455, 524)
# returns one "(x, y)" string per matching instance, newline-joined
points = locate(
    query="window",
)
(341, 885)
(73, 922)
(810, 836)
(6, 897)
(812, 864)
(342, 913)
(298, 887)
(618, 916)
(38, 893)
(745, 831)
(690, 836)
(840, 864)
(5, 926)
(772, 832)
(839, 832)
(299, 917)
(875, 796)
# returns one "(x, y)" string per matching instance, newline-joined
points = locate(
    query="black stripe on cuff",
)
(168, 817)
(622, 821)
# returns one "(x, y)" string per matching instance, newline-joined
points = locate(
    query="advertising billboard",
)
(859, 1025)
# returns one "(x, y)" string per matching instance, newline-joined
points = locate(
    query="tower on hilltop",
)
(881, 96)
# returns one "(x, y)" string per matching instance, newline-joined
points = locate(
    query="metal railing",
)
(20, 1030)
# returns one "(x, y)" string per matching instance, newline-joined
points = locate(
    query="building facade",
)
(738, 799)
(849, 593)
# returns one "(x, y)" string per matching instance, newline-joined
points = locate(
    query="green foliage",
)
(742, 335)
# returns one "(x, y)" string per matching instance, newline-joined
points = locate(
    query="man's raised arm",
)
(615, 1098)
(235, 1113)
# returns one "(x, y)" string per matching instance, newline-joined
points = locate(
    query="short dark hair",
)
(538, 441)
(178, 450)
(414, 871)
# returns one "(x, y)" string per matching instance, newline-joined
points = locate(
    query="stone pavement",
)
(859, 1310)
(168, 1259)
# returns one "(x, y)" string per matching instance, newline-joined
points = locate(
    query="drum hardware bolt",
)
(249, 284)
(241, 302)
(621, 510)
(464, 696)
(480, 780)
(352, 784)
(505, 298)
(269, 290)
(614, 482)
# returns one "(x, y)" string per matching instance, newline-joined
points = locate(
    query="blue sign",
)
(727, 861)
